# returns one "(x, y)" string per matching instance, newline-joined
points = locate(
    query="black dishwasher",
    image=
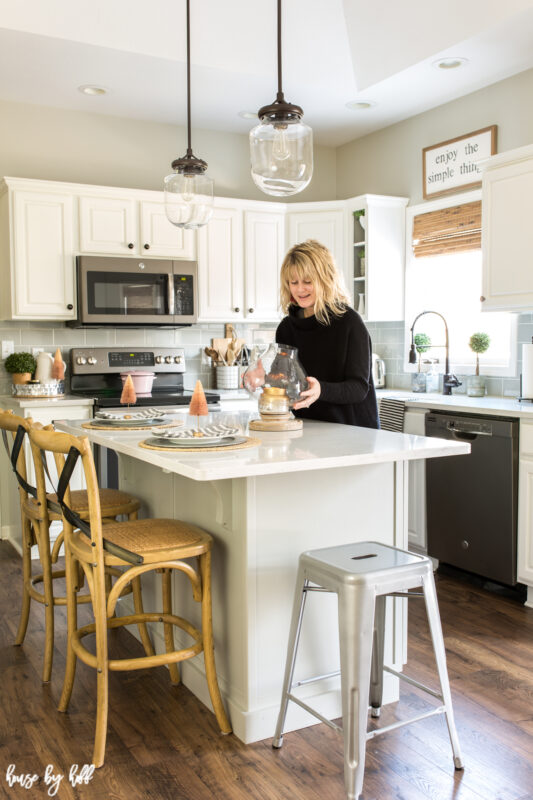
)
(472, 500)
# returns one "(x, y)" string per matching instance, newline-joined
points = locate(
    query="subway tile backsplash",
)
(387, 340)
(49, 336)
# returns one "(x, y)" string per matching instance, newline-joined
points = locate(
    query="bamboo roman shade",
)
(450, 230)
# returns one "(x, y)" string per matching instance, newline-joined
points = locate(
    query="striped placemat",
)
(391, 414)
(94, 426)
(250, 442)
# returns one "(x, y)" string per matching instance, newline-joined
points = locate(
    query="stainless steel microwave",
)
(136, 292)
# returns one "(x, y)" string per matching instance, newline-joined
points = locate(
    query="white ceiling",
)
(334, 51)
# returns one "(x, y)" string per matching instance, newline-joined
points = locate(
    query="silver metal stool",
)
(363, 575)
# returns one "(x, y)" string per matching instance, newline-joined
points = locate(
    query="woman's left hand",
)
(310, 395)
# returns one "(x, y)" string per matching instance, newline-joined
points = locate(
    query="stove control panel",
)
(107, 360)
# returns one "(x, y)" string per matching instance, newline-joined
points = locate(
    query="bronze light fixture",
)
(281, 145)
(188, 190)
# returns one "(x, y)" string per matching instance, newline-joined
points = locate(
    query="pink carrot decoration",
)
(58, 367)
(128, 392)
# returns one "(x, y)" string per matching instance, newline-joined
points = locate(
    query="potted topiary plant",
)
(475, 385)
(21, 366)
(422, 345)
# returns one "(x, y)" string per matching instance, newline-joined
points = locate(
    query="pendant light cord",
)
(280, 90)
(189, 151)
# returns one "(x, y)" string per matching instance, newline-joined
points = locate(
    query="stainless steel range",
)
(95, 372)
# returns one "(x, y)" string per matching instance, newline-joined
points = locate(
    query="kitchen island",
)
(325, 485)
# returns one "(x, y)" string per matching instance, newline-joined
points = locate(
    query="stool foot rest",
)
(412, 681)
(394, 725)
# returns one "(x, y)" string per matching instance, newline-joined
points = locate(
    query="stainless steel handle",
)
(170, 294)
(453, 430)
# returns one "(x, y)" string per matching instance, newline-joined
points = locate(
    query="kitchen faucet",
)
(448, 380)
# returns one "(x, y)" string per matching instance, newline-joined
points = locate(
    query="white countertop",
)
(8, 401)
(320, 445)
(496, 406)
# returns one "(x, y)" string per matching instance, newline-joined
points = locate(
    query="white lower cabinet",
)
(36, 253)
(525, 508)
(415, 423)
(507, 233)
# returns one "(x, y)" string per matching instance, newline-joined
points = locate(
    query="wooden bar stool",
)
(363, 575)
(156, 545)
(37, 512)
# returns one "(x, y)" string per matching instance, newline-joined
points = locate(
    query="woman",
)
(333, 343)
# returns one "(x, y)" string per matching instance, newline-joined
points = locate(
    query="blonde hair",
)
(312, 261)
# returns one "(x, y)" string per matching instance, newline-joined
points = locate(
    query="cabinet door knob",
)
(481, 299)
(250, 311)
(147, 246)
(237, 310)
(131, 245)
(70, 306)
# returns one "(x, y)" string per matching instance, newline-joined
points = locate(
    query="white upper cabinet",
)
(264, 249)
(377, 259)
(239, 257)
(507, 232)
(36, 252)
(131, 225)
(321, 221)
(220, 266)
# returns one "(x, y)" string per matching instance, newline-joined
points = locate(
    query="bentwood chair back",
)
(39, 508)
(143, 546)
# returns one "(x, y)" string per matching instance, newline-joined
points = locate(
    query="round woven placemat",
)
(92, 425)
(250, 442)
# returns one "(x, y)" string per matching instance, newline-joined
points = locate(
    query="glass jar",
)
(276, 367)
(273, 400)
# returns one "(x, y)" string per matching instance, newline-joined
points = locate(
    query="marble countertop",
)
(8, 401)
(496, 406)
(320, 445)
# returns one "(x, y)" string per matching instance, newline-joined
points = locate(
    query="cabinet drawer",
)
(526, 438)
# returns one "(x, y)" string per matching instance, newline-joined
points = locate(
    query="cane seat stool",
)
(36, 515)
(363, 575)
(143, 546)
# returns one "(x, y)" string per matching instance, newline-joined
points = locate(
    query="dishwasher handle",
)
(464, 433)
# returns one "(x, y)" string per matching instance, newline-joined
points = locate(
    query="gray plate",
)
(132, 423)
(174, 444)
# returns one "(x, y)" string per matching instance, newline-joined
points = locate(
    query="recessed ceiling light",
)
(248, 114)
(360, 105)
(92, 89)
(450, 63)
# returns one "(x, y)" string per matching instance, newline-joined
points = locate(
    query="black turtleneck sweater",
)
(339, 356)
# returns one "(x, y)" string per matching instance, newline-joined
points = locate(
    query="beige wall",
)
(52, 144)
(390, 161)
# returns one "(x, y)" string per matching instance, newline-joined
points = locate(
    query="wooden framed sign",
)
(450, 166)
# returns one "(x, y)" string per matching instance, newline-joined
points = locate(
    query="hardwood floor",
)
(163, 743)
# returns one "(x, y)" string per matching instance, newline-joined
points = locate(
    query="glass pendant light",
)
(189, 191)
(281, 146)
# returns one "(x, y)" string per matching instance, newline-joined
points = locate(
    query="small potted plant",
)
(21, 366)
(362, 262)
(422, 345)
(476, 385)
(360, 217)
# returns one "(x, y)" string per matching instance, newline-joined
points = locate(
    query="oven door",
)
(117, 291)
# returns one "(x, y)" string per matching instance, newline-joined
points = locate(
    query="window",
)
(450, 283)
